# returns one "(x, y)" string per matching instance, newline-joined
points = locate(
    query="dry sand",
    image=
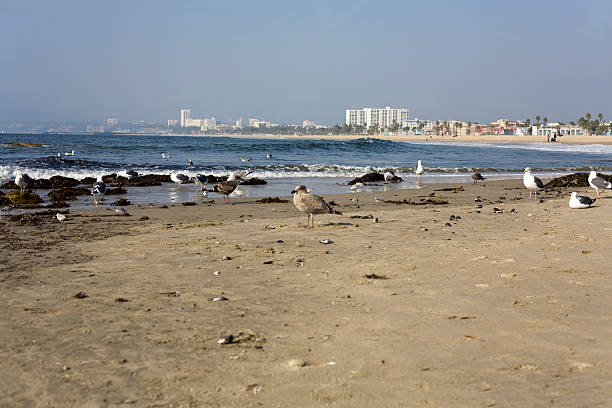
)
(490, 309)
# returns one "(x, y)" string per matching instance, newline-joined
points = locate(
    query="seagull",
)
(242, 159)
(379, 200)
(577, 201)
(268, 155)
(60, 217)
(227, 187)
(69, 153)
(99, 188)
(128, 174)
(389, 176)
(165, 156)
(597, 182)
(419, 170)
(356, 186)
(190, 163)
(122, 212)
(178, 178)
(355, 200)
(531, 182)
(23, 181)
(200, 180)
(205, 193)
(477, 176)
(311, 204)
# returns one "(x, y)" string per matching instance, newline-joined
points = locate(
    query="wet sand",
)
(433, 305)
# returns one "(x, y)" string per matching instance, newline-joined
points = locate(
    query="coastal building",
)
(556, 128)
(208, 124)
(239, 123)
(172, 122)
(112, 122)
(185, 117)
(376, 117)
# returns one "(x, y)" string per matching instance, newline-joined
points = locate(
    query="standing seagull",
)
(99, 188)
(23, 181)
(577, 201)
(532, 182)
(389, 176)
(227, 187)
(597, 182)
(69, 153)
(311, 204)
(242, 159)
(419, 170)
(477, 176)
(199, 180)
(178, 178)
(268, 155)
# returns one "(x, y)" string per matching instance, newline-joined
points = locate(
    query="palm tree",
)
(528, 122)
(538, 119)
(545, 120)
(600, 116)
(588, 116)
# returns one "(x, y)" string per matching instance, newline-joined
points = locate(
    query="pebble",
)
(227, 258)
(325, 241)
(216, 273)
(219, 299)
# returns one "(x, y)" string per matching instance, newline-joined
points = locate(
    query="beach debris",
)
(296, 363)
(279, 241)
(254, 388)
(121, 300)
(452, 189)
(271, 200)
(369, 216)
(226, 258)
(271, 227)
(478, 199)
(375, 220)
(325, 241)
(189, 203)
(218, 299)
(226, 340)
(216, 273)
(379, 200)
(374, 276)
(328, 252)
(81, 295)
(470, 337)
(355, 200)
(333, 363)
(498, 210)
(175, 293)
(448, 224)
(143, 218)
(268, 262)
(60, 217)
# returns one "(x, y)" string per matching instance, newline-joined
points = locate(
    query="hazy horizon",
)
(290, 61)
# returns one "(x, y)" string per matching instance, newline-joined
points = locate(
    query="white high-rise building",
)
(185, 117)
(208, 124)
(376, 116)
(112, 122)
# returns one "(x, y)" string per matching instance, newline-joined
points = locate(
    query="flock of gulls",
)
(313, 204)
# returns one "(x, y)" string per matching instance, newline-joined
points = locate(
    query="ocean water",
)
(323, 165)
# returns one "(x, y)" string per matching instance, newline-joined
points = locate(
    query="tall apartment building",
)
(376, 116)
(185, 117)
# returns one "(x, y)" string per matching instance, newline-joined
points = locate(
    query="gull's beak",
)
(292, 191)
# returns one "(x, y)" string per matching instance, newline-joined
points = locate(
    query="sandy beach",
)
(503, 302)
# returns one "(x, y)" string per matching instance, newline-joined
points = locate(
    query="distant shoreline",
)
(570, 140)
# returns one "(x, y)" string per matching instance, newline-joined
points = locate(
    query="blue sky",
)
(287, 61)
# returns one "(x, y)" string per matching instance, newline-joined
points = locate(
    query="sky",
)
(287, 61)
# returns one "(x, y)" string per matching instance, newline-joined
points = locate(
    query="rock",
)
(23, 197)
(574, 180)
(368, 178)
(122, 202)
(115, 191)
(254, 181)
(24, 144)
(189, 203)
(68, 193)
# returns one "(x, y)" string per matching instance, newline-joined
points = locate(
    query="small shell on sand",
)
(226, 340)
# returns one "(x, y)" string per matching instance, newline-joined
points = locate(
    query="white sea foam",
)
(548, 147)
